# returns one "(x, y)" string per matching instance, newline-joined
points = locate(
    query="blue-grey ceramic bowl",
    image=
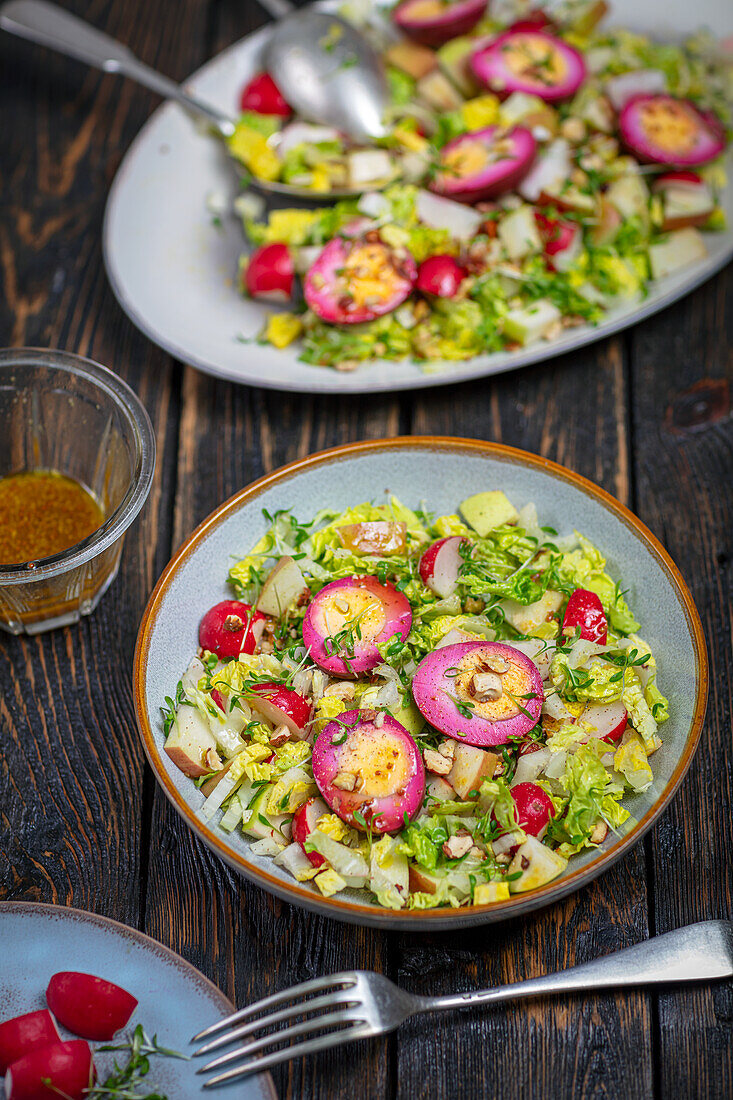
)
(175, 1000)
(442, 472)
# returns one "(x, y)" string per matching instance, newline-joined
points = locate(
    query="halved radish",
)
(531, 61)
(440, 276)
(89, 1006)
(304, 822)
(453, 689)
(662, 129)
(263, 96)
(433, 22)
(62, 1069)
(440, 565)
(534, 20)
(349, 618)
(282, 706)
(23, 1034)
(562, 241)
(534, 808)
(484, 163)
(606, 721)
(369, 773)
(230, 628)
(585, 612)
(270, 273)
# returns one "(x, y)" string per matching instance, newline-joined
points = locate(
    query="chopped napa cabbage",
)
(487, 892)
(657, 703)
(348, 862)
(496, 796)
(444, 526)
(598, 681)
(592, 789)
(329, 882)
(421, 845)
(282, 329)
(290, 754)
(252, 149)
(229, 678)
(566, 736)
(640, 713)
(424, 241)
(630, 759)
(389, 872)
(327, 707)
(325, 545)
(333, 826)
(585, 568)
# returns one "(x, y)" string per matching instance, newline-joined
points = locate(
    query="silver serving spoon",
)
(332, 42)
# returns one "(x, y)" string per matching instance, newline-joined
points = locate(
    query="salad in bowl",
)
(441, 710)
(538, 172)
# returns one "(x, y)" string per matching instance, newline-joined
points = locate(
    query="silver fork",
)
(357, 1004)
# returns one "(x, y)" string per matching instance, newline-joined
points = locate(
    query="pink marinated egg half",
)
(484, 163)
(370, 769)
(531, 61)
(349, 618)
(357, 280)
(661, 129)
(498, 689)
(433, 22)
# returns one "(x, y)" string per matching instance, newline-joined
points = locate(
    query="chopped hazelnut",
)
(486, 687)
(457, 846)
(213, 761)
(600, 832)
(447, 748)
(280, 735)
(436, 763)
(345, 781)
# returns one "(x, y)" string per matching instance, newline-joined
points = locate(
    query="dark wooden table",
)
(646, 415)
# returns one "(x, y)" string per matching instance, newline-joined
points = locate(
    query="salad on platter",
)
(441, 710)
(538, 171)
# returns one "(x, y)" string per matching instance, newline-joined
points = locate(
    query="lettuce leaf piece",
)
(421, 846)
(443, 526)
(496, 794)
(640, 713)
(630, 759)
(588, 784)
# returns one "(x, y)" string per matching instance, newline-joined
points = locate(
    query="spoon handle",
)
(278, 9)
(51, 26)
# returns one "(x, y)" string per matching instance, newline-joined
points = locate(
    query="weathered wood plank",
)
(572, 410)
(683, 461)
(71, 772)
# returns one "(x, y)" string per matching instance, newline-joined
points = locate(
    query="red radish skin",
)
(89, 1006)
(304, 822)
(536, 20)
(491, 69)
(440, 565)
(534, 808)
(24, 1034)
(436, 686)
(440, 276)
(386, 765)
(606, 721)
(263, 96)
(701, 137)
(62, 1069)
(282, 706)
(218, 698)
(585, 612)
(562, 241)
(431, 23)
(230, 628)
(458, 178)
(270, 273)
(379, 610)
(336, 292)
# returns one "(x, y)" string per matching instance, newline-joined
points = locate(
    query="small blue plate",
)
(175, 1000)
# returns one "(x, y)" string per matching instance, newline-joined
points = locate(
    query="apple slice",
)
(470, 767)
(440, 565)
(304, 823)
(536, 865)
(62, 1069)
(89, 1006)
(189, 742)
(285, 584)
(380, 536)
(687, 199)
(606, 721)
(24, 1034)
(282, 706)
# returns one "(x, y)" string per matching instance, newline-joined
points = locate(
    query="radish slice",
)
(357, 280)
(562, 241)
(263, 96)
(373, 771)
(440, 276)
(23, 1034)
(349, 619)
(441, 564)
(433, 22)
(484, 163)
(534, 808)
(282, 706)
(230, 628)
(304, 822)
(620, 89)
(549, 173)
(89, 1006)
(606, 721)
(530, 61)
(661, 129)
(454, 677)
(270, 273)
(585, 612)
(62, 1069)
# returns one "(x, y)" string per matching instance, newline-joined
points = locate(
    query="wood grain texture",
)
(683, 461)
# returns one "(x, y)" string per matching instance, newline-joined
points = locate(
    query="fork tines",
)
(323, 1003)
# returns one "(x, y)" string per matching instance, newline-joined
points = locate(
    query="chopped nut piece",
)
(213, 761)
(447, 748)
(233, 623)
(342, 689)
(341, 604)
(457, 846)
(436, 763)
(504, 858)
(600, 832)
(379, 720)
(476, 852)
(486, 687)
(573, 129)
(553, 330)
(496, 664)
(345, 781)
(280, 735)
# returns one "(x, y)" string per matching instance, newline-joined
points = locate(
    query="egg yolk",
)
(427, 9)
(466, 159)
(351, 609)
(370, 275)
(379, 762)
(515, 684)
(669, 126)
(533, 58)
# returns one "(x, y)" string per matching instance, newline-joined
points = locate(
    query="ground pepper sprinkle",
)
(42, 513)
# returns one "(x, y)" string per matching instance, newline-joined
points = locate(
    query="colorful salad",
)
(538, 171)
(441, 710)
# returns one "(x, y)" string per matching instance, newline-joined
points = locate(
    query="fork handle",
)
(692, 953)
